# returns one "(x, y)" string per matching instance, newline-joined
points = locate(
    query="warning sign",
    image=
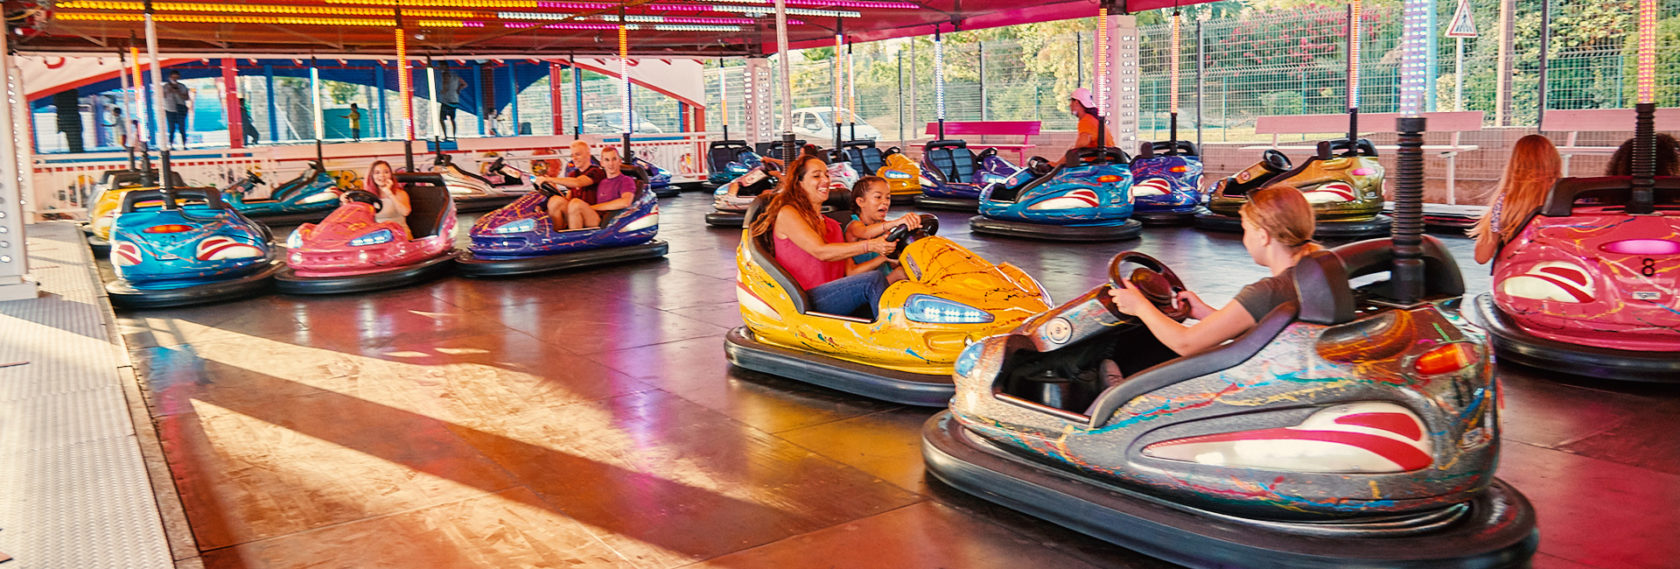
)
(1463, 23)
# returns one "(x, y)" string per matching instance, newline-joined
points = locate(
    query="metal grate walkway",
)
(74, 491)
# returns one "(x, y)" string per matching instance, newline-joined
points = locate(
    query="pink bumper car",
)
(1591, 286)
(351, 251)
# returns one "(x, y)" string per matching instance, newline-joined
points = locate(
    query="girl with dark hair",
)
(812, 248)
(1668, 157)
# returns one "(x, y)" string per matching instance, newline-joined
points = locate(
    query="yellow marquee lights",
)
(444, 3)
(254, 9)
(211, 19)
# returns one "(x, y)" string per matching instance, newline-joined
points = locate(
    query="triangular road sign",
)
(1463, 23)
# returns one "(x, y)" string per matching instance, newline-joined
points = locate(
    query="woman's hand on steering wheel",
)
(1150, 284)
(1198, 309)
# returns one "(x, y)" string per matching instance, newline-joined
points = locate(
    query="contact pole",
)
(838, 98)
(786, 88)
(851, 91)
(405, 90)
(723, 95)
(1354, 12)
(624, 82)
(157, 103)
(939, 81)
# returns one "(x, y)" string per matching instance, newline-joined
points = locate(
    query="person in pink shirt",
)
(813, 249)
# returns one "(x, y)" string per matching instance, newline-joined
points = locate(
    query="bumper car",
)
(1166, 183)
(1343, 182)
(951, 297)
(658, 179)
(520, 239)
(1587, 288)
(191, 249)
(306, 198)
(954, 175)
(112, 186)
(1339, 432)
(730, 201)
(474, 193)
(904, 178)
(1087, 198)
(777, 149)
(350, 251)
(724, 157)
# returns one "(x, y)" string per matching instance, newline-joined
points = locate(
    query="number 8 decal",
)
(1650, 267)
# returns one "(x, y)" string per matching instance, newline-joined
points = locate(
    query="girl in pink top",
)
(813, 249)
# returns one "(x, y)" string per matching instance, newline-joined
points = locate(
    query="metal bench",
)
(1577, 121)
(1024, 129)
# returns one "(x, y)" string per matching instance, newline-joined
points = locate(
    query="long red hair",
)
(1534, 168)
(789, 195)
(369, 185)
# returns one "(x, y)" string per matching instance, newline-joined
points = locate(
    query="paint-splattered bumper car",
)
(304, 199)
(191, 249)
(1589, 288)
(1166, 183)
(949, 298)
(1338, 432)
(954, 175)
(351, 251)
(1087, 198)
(1343, 182)
(499, 185)
(520, 239)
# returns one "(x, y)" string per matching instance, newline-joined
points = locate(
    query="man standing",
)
(69, 105)
(449, 98)
(250, 126)
(176, 98)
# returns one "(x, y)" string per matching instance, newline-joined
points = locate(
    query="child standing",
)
(355, 117)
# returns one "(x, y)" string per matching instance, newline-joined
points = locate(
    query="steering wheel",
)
(1158, 283)
(497, 165)
(988, 153)
(367, 197)
(550, 190)
(1039, 166)
(891, 151)
(902, 234)
(1276, 160)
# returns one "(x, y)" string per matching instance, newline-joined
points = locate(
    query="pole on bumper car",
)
(939, 80)
(624, 84)
(1355, 12)
(157, 103)
(788, 146)
(406, 91)
(1407, 275)
(1644, 142)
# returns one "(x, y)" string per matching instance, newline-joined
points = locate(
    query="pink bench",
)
(1599, 120)
(1024, 129)
(1456, 122)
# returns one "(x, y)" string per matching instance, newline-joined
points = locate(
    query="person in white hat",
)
(1084, 108)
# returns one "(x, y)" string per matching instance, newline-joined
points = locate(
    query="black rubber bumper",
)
(954, 204)
(475, 204)
(1498, 530)
(287, 281)
(1164, 218)
(468, 265)
(283, 219)
(100, 247)
(123, 295)
(669, 191)
(1514, 345)
(691, 186)
(905, 199)
(1327, 229)
(989, 226)
(726, 219)
(840, 375)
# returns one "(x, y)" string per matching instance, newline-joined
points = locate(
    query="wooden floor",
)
(590, 420)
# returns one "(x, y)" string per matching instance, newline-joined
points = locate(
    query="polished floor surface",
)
(590, 420)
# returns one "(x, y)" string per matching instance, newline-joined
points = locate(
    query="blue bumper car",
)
(520, 239)
(307, 198)
(954, 175)
(1087, 198)
(186, 248)
(659, 180)
(725, 162)
(1166, 183)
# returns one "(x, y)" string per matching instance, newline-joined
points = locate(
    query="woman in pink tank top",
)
(812, 248)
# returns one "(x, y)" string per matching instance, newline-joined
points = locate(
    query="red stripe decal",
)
(1406, 456)
(1397, 423)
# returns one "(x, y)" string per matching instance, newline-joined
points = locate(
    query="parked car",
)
(817, 124)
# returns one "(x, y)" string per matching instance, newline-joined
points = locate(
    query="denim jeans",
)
(176, 121)
(844, 297)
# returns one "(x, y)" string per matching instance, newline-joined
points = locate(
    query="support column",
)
(556, 95)
(513, 98)
(230, 103)
(14, 256)
(1507, 39)
(384, 130)
(1122, 111)
(756, 89)
(23, 140)
(273, 112)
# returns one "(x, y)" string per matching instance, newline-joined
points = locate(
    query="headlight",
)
(520, 226)
(375, 238)
(935, 310)
(294, 240)
(896, 175)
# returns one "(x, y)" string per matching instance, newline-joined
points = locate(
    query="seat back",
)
(429, 204)
(1560, 201)
(1441, 277)
(211, 197)
(952, 158)
(720, 153)
(129, 178)
(761, 251)
(777, 149)
(864, 156)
